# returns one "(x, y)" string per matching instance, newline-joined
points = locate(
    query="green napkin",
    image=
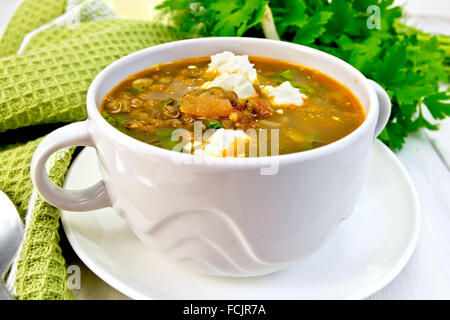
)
(43, 85)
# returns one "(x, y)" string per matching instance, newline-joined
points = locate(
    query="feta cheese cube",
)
(284, 94)
(232, 82)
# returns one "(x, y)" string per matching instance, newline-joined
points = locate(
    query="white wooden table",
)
(426, 156)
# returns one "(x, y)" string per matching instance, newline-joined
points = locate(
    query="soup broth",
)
(152, 104)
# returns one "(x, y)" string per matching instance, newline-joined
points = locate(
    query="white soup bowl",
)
(224, 217)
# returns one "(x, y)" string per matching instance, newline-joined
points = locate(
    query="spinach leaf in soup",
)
(289, 75)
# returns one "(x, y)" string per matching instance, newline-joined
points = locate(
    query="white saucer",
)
(367, 252)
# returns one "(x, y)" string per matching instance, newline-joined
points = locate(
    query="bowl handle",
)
(94, 197)
(384, 107)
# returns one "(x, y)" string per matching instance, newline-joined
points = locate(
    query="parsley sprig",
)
(408, 63)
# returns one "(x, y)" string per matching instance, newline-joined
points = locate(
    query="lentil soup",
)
(307, 108)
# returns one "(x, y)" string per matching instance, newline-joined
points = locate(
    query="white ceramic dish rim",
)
(123, 287)
(139, 146)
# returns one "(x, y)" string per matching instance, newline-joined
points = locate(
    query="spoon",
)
(11, 236)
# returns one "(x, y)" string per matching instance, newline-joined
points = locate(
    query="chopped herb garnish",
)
(108, 118)
(303, 88)
(289, 75)
(168, 144)
(165, 102)
(214, 124)
(134, 91)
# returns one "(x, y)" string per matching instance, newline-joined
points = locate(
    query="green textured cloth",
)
(47, 83)
(29, 16)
